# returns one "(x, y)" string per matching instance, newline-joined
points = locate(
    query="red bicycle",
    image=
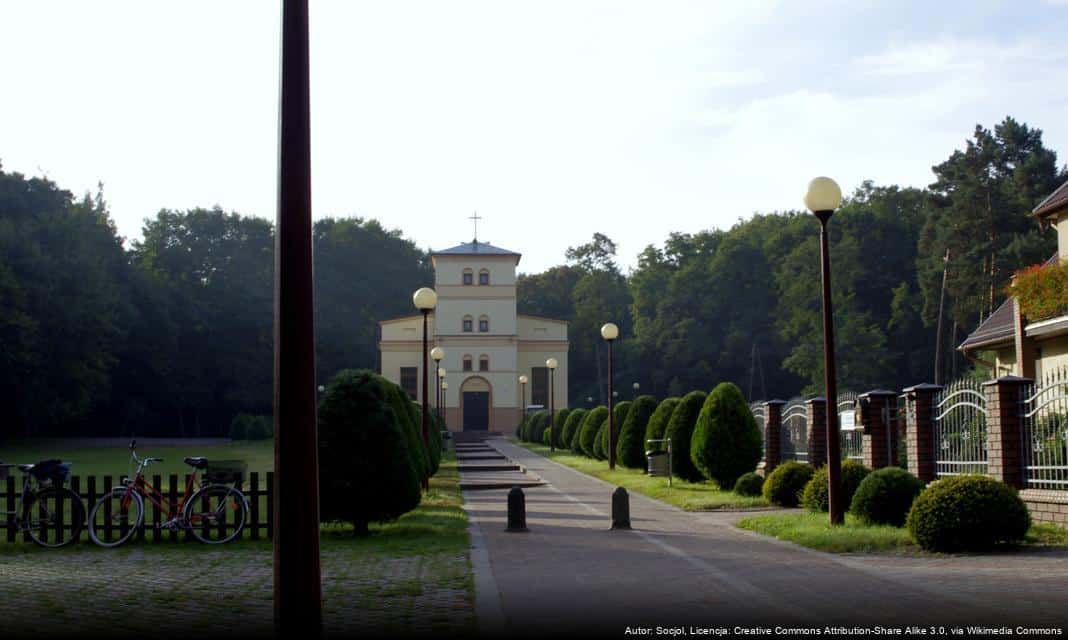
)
(214, 513)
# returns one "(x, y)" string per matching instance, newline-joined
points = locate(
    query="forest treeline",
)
(172, 333)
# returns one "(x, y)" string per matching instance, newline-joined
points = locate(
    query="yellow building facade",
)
(487, 344)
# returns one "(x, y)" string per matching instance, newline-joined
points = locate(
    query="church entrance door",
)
(476, 410)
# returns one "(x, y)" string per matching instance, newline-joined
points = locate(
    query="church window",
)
(483, 363)
(483, 277)
(468, 277)
(539, 388)
(468, 324)
(467, 363)
(483, 324)
(408, 376)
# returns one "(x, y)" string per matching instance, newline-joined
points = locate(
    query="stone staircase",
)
(482, 467)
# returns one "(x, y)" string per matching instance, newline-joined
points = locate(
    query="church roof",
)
(475, 248)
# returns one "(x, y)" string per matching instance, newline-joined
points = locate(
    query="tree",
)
(680, 431)
(366, 471)
(726, 441)
(630, 448)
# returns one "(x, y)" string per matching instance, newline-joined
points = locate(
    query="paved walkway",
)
(676, 569)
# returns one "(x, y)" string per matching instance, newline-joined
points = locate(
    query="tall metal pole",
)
(552, 410)
(611, 419)
(426, 401)
(522, 401)
(437, 389)
(834, 448)
(297, 578)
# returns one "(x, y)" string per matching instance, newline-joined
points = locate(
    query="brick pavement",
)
(678, 568)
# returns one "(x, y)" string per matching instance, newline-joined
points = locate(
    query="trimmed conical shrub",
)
(619, 416)
(588, 432)
(405, 410)
(541, 423)
(558, 426)
(726, 440)
(680, 430)
(630, 450)
(366, 472)
(531, 431)
(569, 436)
(658, 422)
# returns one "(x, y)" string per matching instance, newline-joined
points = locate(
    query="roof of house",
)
(1054, 202)
(475, 248)
(995, 330)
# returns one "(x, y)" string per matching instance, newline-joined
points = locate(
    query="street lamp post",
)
(822, 198)
(522, 397)
(297, 578)
(437, 353)
(636, 387)
(551, 363)
(425, 300)
(441, 394)
(444, 395)
(610, 332)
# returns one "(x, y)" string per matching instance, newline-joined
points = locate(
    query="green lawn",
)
(691, 496)
(115, 461)
(813, 530)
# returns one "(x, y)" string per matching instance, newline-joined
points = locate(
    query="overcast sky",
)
(553, 120)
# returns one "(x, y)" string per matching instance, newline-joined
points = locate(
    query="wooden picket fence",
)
(260, 498)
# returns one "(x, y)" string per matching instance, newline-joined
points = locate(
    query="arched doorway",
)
(475, 395)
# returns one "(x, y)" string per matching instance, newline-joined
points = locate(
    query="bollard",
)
(620, 509)
(517, 511)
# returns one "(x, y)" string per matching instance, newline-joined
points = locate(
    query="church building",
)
(487, 345)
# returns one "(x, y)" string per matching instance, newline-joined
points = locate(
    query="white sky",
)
(552, 119)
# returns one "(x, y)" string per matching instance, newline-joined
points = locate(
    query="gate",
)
(1044, 431)
(850, 434)
(960, 429)
(795, 431)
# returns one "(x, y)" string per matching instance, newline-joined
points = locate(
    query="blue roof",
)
(475, 248)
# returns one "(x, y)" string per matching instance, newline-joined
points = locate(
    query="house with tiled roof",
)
(1021, 345)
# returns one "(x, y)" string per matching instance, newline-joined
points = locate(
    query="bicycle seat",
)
(197, 463)
(25, 467)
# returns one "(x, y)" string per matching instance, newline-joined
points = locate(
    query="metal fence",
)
(795, 430)
(757, 408)
(851, 435)
(960, 429)
(1044, 433)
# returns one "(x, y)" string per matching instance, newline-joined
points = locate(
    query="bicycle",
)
(51, 511)
(215, 513)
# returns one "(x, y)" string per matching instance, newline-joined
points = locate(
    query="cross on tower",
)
(476, 218)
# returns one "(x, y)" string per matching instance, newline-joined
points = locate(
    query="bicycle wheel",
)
(115, 517)
(53, 516)
(216, 513)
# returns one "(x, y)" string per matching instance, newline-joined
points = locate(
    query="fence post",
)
(879, 440)
(817, 430)
(920, 429)
(1004, 426)
(772, 435)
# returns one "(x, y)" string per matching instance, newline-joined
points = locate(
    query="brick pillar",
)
(880, 439)
(1026, 347)
(920, 430)
(772, 434)
(817, 430)
(1004, 428)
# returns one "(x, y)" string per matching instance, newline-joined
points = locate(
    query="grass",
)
(813, 530)
(689, 496)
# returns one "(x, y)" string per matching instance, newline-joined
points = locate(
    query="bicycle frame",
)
(138, 483)
(16, 515)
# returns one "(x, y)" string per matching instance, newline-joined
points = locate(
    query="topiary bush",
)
(967, 513)
(366, 472)
(569, 435)
(680, 431)
(541, 423)
(814, 495)
(531, 432)
(619, 416)
(591, 425)
(658, 423)
(885, 496)
(411, 420)
(558, 426)
(546, 436)
(726, 441)
(599, 440)
(784, 485)
(630, 448)
(749, 484)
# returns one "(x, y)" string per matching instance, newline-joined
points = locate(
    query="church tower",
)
(487, 344)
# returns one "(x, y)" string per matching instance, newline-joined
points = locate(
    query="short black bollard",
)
(620, 509)
(517, 511)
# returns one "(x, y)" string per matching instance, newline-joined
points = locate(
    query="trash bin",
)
(657, 463)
